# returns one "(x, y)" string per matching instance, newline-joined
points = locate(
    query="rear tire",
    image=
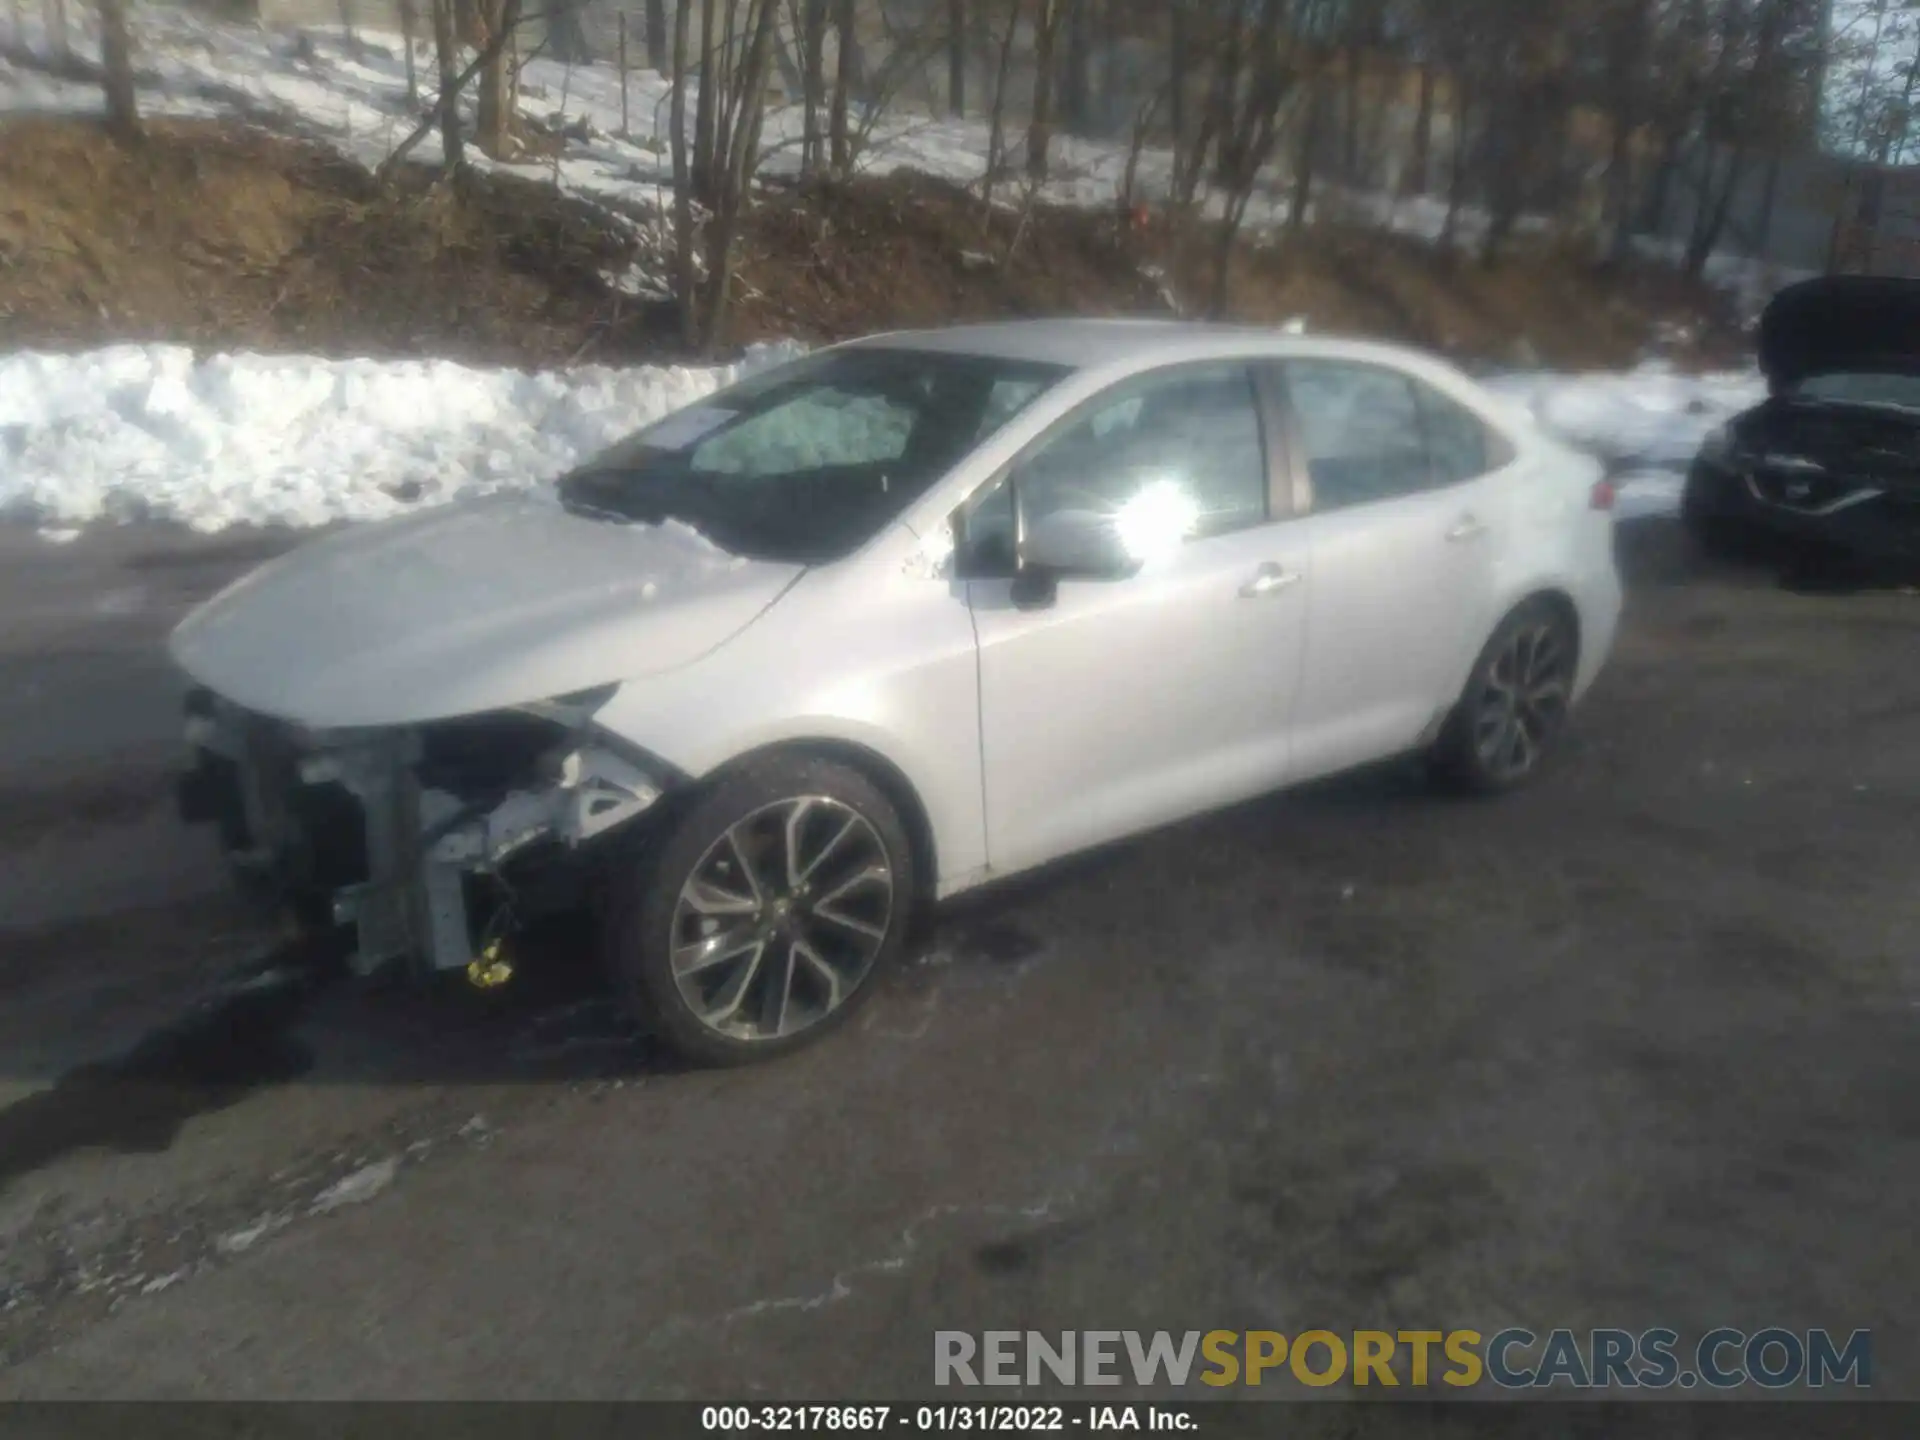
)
(762, 919)
(1516, 703)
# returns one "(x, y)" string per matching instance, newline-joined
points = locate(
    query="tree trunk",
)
(116, 72)
(1040, 123)
(1350, 114)
(1711, 219)
(347, 31)
(997, 126)
(1177, 47)
(446, 50)
(1304, 159)
(56, 23)
(684, 284)
(956, 57)
(741, 160)
(657, 53)
(495, 120)
(840, 138)
(726, 99)
(1620, 188)
(409, 28)
(1420, 170)
(566, 35)
(706, 104)
(1769, 198)
(1076, 87)
(1457, 169)
(813, 85)
(1654, 220)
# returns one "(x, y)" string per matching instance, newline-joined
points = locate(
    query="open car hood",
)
(1840, 323)
(467, 608)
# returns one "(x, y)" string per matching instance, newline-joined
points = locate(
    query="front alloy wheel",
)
(782, 918)
(768, 910)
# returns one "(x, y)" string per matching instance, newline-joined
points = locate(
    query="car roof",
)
(1090, 344)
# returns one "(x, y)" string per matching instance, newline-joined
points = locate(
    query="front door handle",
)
(1269, 580)
(1467, 528)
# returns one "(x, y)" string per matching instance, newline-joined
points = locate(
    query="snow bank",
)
(148, 431)
(1653, 417)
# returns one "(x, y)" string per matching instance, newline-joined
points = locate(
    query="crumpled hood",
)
(467, 608)
(1840, 323)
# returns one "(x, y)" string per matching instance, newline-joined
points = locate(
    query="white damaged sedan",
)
(882, 624)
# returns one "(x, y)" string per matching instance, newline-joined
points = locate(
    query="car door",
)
(1404, 515)
(1132, 700)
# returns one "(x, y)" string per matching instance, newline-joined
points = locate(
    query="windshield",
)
(1900, 392)
(806, 462)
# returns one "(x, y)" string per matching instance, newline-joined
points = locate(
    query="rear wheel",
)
(1516, 702)
(762, 920)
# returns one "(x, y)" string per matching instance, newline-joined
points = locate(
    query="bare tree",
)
(706, 121)
(116, 72)
(1417, 179)
(409, 28)
(348, 33)
(1046, 26)
(684, 278)
(812, 30)
(1626, 39)
(1250, 130)
(746, 111)
(997, 126)
(55, 17)
(498, 97)
(446, 45)
(956, 57)
(656, 31)
(846, 16)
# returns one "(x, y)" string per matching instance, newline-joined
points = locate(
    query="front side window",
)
(807, 462)
(1171, 456)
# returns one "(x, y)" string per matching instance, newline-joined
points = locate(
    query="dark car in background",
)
(1830, 462)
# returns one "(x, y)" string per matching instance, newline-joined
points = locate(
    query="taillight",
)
(1602, 496)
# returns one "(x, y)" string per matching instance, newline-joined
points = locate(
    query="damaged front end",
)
(428, 841)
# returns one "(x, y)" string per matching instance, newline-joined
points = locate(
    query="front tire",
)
(1515, 705)
(763, 918)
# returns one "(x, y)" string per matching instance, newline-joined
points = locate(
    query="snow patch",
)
(151, 432)
(358, 1188)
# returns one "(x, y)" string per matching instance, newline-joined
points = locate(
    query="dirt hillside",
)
(222, 236)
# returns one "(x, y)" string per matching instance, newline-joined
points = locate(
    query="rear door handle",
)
(1466, 528)
(1270, 579)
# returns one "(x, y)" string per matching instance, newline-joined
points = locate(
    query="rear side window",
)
(1371, 433)
(1459, 444)
(1360, 432)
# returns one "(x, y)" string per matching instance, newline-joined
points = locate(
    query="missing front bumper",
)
(413, 871)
